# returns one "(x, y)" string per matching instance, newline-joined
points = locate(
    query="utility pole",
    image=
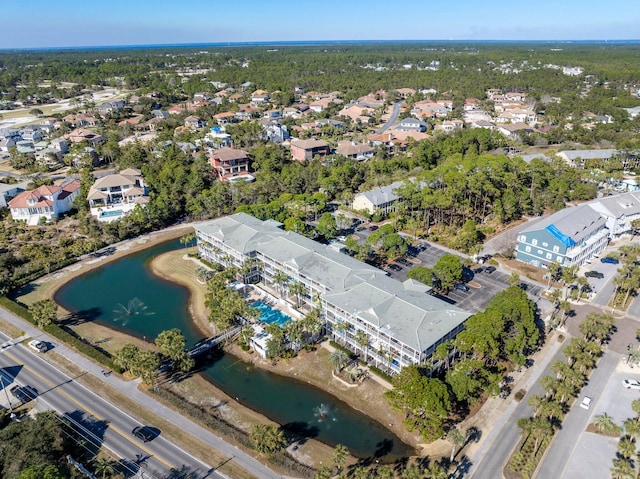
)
(11, 414)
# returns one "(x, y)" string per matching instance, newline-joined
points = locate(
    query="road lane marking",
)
(90, 411)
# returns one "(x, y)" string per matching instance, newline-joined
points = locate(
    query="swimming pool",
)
(269, 314)
(107, 214)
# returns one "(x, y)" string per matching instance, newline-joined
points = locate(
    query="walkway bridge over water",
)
(205, 345)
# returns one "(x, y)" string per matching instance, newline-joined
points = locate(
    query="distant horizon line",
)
(312, 42)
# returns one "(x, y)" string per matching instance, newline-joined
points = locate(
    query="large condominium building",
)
(403, 324)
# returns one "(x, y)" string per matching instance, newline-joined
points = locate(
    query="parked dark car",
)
(144, 433)
(490, 269)
(594, 274)
(404, 262)
(373, 228)
(609, 260)
(461, 287)
(394, 267)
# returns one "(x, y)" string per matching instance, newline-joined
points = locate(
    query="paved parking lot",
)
(482, 288)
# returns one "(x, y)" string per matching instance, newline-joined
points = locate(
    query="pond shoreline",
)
(163, 266)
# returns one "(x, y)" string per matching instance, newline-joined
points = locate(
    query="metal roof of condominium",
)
(406, 312)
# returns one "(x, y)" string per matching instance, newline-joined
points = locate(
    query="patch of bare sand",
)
(178, 267)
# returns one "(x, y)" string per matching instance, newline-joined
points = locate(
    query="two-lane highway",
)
(109, 425)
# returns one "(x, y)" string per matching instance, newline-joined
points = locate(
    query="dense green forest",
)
(465, 69)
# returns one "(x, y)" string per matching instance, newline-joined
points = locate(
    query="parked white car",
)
(38, 346)
(586, 402)
(631, 384)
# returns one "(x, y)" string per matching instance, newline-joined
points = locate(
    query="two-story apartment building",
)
(230, 164)
(569, 237)
(44, 203)
(403, 325)
(114, 196)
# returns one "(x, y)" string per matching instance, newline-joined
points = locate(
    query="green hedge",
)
(63, 335)
(16, 308)
(341, 348)
(380, 373)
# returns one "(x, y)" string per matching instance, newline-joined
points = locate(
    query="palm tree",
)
(413, 472)
(339, 359)
(342, 327)
(362, 339)
(340, 454)
(622, 469)
(279, 278)
(457, 440)
(267, 439)
(297, 289)
(103, 467)
(627, 447)
(605, 424)
(536, 401)
(569, 276)
(312, 323)
(540, 427)
(550, 385)
(565, 307)
(554, 272)
(632, 427)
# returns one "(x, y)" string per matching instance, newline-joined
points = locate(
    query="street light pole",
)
(5, 391)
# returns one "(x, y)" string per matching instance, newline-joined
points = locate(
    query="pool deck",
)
(256, 293)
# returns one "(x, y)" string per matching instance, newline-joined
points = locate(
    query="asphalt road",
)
(393, 118)
(103, 423)
(492, 463)
(564, 443)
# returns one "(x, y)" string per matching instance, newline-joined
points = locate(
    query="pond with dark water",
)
(125, 295)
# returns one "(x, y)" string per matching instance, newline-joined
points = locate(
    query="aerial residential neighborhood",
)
(319, 259)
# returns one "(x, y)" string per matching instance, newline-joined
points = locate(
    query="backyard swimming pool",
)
(108, 214)
(269, 314)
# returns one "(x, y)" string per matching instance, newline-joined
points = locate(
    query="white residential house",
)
(45, 203)
(59, 144)
(412, 124)
(114, 196)
(8, 191)
(378, 199)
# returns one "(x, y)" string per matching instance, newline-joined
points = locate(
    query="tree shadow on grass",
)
(299, 431)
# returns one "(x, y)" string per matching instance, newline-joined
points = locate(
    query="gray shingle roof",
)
(382, 195)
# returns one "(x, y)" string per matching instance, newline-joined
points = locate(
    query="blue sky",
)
(59, 23)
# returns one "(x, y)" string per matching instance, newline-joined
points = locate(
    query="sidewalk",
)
(130, 388)
(501, 410)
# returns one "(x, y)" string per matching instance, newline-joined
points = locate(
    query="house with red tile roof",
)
(82, 134)
(230, 164)
(46, 201)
